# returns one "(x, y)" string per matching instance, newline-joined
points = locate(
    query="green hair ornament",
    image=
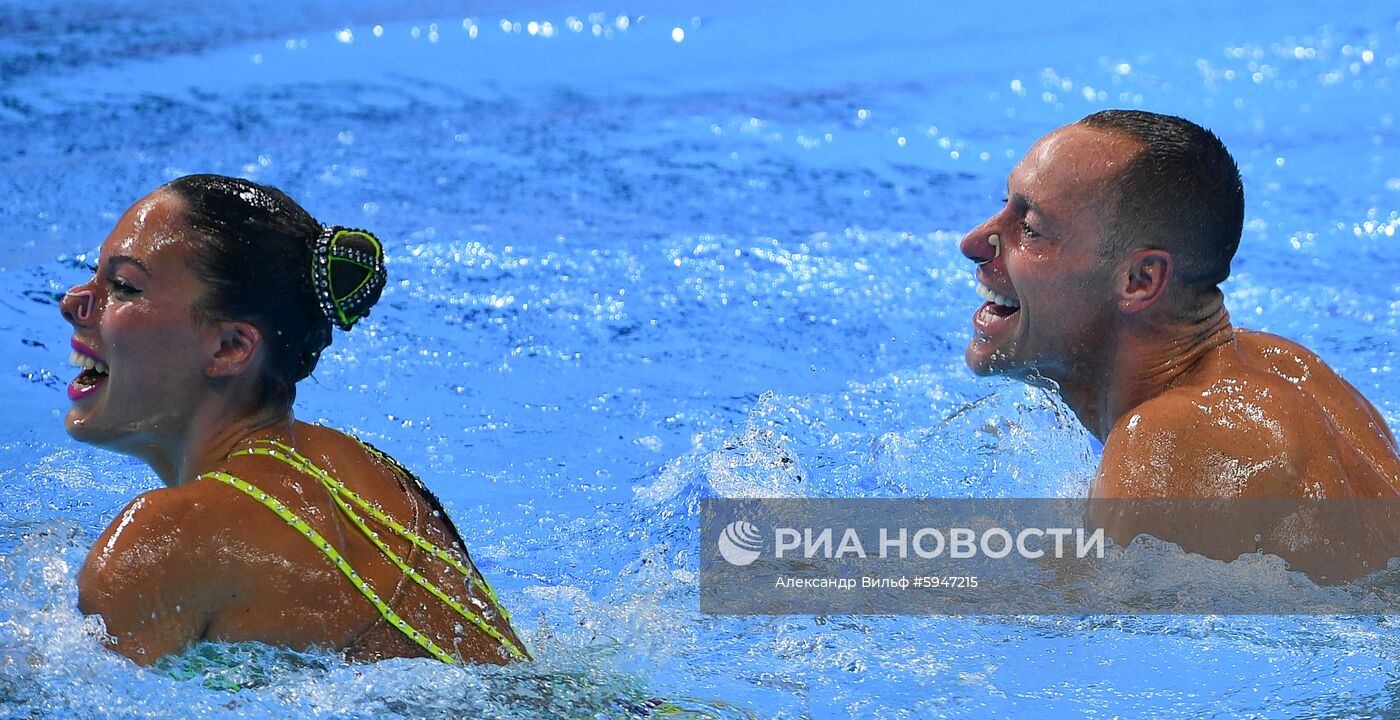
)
(347, 270)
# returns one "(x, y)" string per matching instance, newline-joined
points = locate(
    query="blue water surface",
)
(645, 253)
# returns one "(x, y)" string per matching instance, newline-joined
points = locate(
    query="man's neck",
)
(1143, 361)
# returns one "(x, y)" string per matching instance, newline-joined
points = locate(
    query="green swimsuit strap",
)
(339, 493)
(336, 559)
(468, 569)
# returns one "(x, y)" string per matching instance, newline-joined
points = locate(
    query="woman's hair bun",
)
(347, 270)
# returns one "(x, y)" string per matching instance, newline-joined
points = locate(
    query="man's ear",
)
(238, 344)
(1143, 279)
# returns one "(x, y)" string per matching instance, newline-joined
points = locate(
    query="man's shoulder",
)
(1258, 341)
(1282, 358)
(1225, 438)
(1244, 401)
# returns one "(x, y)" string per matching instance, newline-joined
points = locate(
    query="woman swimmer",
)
(213, 296)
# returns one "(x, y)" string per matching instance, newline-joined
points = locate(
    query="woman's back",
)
(260, 578)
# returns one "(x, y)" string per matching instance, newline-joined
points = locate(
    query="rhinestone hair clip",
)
(347, 268)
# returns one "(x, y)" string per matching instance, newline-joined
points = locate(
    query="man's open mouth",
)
(94, 371)
(998, 306)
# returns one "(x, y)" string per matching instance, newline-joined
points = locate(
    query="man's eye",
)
(123, 287)
(1029, 232)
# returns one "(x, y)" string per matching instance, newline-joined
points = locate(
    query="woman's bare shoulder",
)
(167, 528)
(157, 574)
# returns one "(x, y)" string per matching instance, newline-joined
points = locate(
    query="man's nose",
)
(79, 305)
(982, 245)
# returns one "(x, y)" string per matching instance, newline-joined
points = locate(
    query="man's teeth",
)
(89, 363)
(989, 295)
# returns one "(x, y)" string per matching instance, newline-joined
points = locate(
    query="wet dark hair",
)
(253, 252)
(1180, 193)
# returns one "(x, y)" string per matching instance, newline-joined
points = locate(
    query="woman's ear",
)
(238, 344)
(1143, 280)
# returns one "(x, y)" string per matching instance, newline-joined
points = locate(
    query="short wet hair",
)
(253, 253)
(1181, 193)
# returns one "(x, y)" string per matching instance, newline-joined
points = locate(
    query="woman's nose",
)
(981, 245)
(78, 305)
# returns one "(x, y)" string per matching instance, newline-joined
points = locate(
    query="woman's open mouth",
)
(93, 375)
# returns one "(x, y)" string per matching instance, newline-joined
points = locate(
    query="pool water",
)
(646, 253)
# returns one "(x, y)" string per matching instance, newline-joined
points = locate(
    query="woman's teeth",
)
(989, 295)
(88, 363)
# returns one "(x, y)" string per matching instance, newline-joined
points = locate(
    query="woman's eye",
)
(1029, 232)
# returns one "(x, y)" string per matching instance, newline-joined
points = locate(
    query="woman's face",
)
(142, 353)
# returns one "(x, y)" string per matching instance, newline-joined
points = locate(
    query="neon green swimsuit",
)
(344, 499)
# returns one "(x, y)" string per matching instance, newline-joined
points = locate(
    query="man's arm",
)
(149, 576)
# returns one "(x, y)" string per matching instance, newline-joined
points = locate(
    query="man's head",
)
(1180, 193)
(1104, 218)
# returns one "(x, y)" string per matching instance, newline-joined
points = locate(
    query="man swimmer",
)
(1101, 275)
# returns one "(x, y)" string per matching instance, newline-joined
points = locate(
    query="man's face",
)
(1050, 296)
